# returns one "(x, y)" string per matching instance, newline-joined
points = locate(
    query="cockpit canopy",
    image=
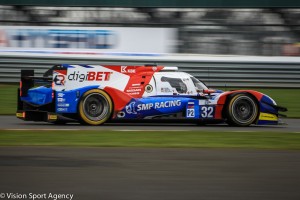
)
(177, 83)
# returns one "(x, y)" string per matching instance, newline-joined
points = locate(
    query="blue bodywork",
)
(39, 96)
(66, 101)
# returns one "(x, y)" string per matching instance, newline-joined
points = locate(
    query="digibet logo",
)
(89, 76)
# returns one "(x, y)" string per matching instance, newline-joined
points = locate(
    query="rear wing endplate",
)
(28, 80)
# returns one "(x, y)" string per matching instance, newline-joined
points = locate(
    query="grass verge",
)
(177, 139)
(8, 99)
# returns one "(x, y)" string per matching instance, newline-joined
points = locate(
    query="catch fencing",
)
(215, 71)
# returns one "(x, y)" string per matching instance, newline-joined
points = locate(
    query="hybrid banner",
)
(100, 39)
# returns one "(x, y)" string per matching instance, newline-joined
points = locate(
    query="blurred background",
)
(227, 44)
(235, 31)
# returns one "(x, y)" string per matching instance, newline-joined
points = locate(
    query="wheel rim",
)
(244, 110)
(95, 107)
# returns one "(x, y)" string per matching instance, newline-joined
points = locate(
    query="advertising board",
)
(100, 39)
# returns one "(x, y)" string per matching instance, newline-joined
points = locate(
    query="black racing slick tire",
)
(95, 107)
(241, 110)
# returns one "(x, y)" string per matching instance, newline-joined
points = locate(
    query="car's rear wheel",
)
(242, 110)
(95, 107)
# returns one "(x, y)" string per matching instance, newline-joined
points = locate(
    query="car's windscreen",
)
(198, 84)
(176, 83)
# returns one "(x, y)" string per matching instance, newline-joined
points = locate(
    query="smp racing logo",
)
(89, 76)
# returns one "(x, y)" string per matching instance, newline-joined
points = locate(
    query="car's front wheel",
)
(95, 107)
(241, 110)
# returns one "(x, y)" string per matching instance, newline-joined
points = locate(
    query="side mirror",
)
(209, 91)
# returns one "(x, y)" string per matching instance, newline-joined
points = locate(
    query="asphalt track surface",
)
(11, 122)
(151, 174)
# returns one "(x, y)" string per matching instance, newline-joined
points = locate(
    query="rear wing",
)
(28, 80)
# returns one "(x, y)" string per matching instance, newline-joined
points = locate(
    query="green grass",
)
(178, 139)
(8, 99)
(284, 97)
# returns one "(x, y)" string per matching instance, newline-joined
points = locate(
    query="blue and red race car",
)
(94, 94)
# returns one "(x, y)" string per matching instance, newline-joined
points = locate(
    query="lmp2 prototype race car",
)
(95, 94)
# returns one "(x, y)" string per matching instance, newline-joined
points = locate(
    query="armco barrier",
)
(215, 71)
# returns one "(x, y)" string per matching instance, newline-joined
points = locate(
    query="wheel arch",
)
(119, 98)
(256, 96)
(83, 95)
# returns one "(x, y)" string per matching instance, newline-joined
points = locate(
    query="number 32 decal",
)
(207, 111)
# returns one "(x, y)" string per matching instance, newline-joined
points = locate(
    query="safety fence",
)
(215, 71)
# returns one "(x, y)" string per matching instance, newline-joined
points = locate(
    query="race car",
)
(95, 94)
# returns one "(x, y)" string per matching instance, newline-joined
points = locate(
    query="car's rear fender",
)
(67, 101)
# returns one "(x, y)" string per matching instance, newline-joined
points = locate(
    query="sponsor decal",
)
(61, 100)
(63, 104)
(132, 90)
(165, 90)
(130, 108)
(124, 69)
(89, 76)
(207, 102)
(136, 85)
(59, 79)
(60, 94)
(267, 117)
(190, 111)
(62, 109)
(158, 105)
